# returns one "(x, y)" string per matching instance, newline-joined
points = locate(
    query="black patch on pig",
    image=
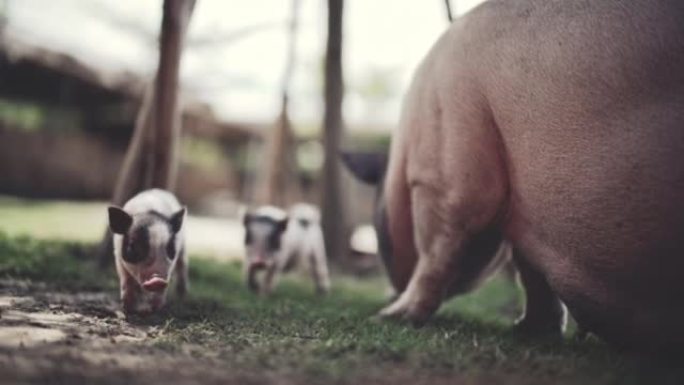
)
(273, 242)
(136, 241)
(136, 245)
(278, 228)
(171, 247)
(176, 220)
(248, 236)
(305, 223)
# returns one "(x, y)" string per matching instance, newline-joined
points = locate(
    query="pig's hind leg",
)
(452, 262)
(319, 265)
(458, 186)
(544, 313)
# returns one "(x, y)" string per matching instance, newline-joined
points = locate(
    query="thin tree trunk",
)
(279, 167)
(450, 15)
(151, 159)
(334, 219)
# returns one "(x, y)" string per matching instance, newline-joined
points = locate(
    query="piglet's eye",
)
(135, 253)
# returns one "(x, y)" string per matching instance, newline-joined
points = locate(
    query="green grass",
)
(65, 265)
(335, 338)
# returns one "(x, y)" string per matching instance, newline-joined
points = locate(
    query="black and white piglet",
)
(149, 246)
(276, 241)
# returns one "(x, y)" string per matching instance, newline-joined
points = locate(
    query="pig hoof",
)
(527, 328)
(402, 311)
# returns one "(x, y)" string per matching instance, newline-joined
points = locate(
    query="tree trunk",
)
(450, 15)
(279, 169)
(166, 114)
(334, 219)
(151, 159)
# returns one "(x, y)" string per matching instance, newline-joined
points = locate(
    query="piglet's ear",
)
(119, 221)
(177, 220)
(368, 167)
(246, 219)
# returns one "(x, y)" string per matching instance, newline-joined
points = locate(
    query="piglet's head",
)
(150, 245)
(264, 229)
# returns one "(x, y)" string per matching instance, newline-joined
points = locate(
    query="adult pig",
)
(557, 127)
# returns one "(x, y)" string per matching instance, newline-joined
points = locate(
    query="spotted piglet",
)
(277, 241)
(149, 246)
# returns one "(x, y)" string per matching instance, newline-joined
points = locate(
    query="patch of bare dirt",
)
(48, 337)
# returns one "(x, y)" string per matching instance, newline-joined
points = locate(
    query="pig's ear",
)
(246, 218)
(368, 167)
(177, 220)
(119, 220)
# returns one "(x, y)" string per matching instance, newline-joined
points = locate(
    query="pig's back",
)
(589, 99)
(160, 201)
(304, 227)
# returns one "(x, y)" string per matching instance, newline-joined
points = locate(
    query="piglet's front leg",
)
(157, 301)
(130, 295)
(252, 282)
(270, 280)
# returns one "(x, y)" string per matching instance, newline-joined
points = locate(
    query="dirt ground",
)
(58, 338)
(76, 338)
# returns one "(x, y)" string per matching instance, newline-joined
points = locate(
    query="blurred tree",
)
(334, 219)
(151, 159)
(208, 40)
(280, 166)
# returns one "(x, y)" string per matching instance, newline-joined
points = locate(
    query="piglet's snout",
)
(155, 284)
